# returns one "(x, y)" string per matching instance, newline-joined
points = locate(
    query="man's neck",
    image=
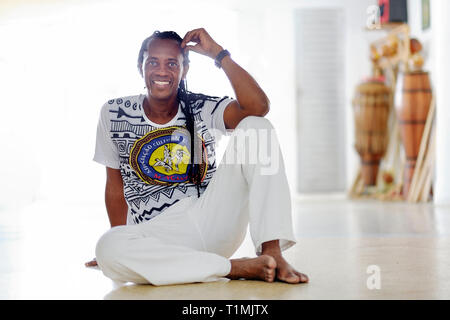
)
(160, 111)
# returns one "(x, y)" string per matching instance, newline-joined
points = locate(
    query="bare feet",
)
(260, 268)
(284, 271)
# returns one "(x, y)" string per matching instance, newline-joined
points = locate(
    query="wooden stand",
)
(393, 162)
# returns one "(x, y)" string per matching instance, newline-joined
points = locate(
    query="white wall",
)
(440, 11)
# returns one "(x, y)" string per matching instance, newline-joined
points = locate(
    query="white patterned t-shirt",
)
(154, 159)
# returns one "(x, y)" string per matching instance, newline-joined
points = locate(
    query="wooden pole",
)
(415, 184)
(432, 157)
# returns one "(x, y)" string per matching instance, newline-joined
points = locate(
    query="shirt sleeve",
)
(106, 152)
(213, 111)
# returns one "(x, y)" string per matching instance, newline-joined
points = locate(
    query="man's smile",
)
(162, 84)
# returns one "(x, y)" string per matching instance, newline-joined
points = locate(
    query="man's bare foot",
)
(284, 271)
(260, 268)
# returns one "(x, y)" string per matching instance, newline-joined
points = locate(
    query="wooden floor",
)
(42, 251)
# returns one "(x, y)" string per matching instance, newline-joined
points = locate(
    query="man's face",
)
(163, 68)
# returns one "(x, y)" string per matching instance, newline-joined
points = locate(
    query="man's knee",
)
(108, 247)
(254, 122)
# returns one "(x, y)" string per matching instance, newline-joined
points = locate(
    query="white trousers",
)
(192, 240)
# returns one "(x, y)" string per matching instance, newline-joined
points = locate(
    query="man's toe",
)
(303, 277)
(289, 277)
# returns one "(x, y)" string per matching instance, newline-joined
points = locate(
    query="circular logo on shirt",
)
(163, 156)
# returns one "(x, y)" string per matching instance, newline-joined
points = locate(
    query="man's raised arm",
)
(250, 98)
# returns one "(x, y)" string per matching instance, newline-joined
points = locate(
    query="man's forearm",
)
(249, 94)
(117, 207)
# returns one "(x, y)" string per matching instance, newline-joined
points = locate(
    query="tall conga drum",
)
(412, 103)
(371, 107)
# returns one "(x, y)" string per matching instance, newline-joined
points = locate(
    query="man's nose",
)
(162, 70)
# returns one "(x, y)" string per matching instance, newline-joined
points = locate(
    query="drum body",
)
(412, 103)
(371, 107)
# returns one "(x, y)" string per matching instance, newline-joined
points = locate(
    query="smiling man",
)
(175, 216)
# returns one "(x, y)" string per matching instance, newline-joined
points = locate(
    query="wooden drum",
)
(371, 110)
(412, 103)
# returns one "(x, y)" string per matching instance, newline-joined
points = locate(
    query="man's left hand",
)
(204, 44)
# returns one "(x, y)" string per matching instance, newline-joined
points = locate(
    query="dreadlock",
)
(188, 100)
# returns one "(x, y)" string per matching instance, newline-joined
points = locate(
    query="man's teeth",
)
(161, 83)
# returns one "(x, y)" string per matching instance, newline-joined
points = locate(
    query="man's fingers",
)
(190, 36)
(186, 39)
(91, 263)
(203, 43)
(192, 39)
(193, 35)
(195, 48)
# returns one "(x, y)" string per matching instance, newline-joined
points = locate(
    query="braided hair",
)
(189, 100)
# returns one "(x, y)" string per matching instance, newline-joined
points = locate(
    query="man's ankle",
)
(271, 248)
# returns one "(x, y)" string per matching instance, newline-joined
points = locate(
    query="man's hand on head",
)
(250, 98)
(204, 44)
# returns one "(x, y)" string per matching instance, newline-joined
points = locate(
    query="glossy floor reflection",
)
(42, 251)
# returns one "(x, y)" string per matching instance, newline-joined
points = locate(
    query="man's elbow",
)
(262, 108)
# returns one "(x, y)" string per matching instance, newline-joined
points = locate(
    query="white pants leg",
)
(165, 250)
(191, 241)
(243, 193)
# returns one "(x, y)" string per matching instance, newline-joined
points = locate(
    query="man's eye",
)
(151, 63)
(173, 64)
